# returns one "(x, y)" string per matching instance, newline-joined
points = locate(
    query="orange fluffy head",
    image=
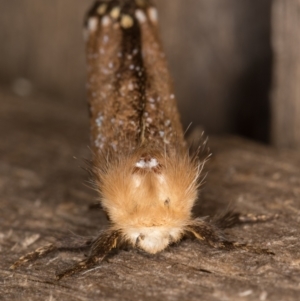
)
(149, 195)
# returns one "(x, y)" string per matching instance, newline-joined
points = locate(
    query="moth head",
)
(150, 197)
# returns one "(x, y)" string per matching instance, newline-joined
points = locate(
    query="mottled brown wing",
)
(129, 87)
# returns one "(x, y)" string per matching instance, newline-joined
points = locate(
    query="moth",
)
(147, 180)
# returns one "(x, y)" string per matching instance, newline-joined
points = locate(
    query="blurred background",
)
(235, 63)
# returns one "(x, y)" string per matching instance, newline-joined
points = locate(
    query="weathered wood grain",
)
(42, 197)
(286, 77)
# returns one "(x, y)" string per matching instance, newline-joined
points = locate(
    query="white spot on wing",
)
(102, 9)
(99, 120)
(105, 21)
(140, 16)
(141, 164)
(115, 13)
(167, 122)
(93, 24)
(131, 87)
(161, 134)
(105, 39)
(126, 21)
(152, 12)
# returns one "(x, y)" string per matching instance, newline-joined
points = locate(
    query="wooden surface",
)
(286, 88)
(42, 197)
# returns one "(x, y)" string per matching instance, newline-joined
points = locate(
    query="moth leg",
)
(213, 236)
(68, 244)
(101, 247)
(252, 218)
(32, 256)
(231, 219)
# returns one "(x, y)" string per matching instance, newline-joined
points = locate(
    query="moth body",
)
(146, 179)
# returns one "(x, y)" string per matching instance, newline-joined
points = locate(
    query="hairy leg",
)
(213, 235)
(73, 244)
(231, 219)
(100, 248)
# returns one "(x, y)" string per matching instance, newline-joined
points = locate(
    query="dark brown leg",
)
(231, 219)
(99, 250)
(214, 236)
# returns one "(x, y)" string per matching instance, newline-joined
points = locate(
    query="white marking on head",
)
(92, 24)
(147, 164)
(115, 12)
(153, 163)
(153, 15)
(141, 164)
(172, 96)
(140, 16)
(105, 21)
(126, 21)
